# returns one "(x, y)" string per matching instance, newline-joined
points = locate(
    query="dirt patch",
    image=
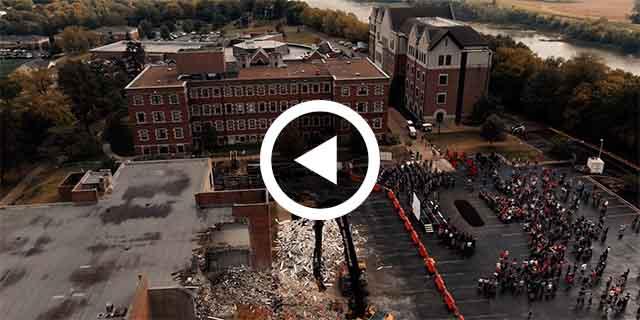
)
(38, 246)
(121, 213)
(469, 213)
(12, 276)
(63, 310)
(90, 275)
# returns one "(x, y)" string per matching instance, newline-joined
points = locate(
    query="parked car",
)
(409, 123)
(412, 132)
(427, 127)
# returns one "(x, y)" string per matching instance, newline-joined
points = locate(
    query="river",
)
(538, 42)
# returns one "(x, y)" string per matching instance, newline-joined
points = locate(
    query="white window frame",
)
(193, 93)
(196, 110)
(241, 124)
(366, 91)
(216, 92)
(379, 90)
(204, 92)
(173, 99)
(153, 97)
(177, 130)
(250, 91)
(284, 105)
(273, 106)
(293, 88)
(162, 116)
(176, 115)
(231, 125)
(262, 107)
(217, 109)
(273, 90)
(196, 127)
(143, 135)
(206, 110)
(251, 124)
(376, 123)
(166, 134)
(378, 106)
(440, 94)
(345, 91)
(364, 104)
(446, 77)
(219, 125)
(138, 100)
(262, 123)
(260, 90)
(144, 117)
(239, 107)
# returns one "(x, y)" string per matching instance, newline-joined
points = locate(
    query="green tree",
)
(9, 91)
(118, 134)
(146, 30)
(165, 33)
(493, 129)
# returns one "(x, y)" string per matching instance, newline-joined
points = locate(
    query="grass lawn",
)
(44, 188)
(472, 142)
(302, 37)
(13, 177)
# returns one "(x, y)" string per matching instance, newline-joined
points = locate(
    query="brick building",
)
(437, 65)
(170, 106)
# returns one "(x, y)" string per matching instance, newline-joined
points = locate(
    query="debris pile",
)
(288, 291)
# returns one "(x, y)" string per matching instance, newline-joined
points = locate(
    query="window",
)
(441, 98)
(251, 123)
(326, 87)
(361, 107)
(260, 90)
(251, 107)
(344, 91)
(272, 90)
(219, 125)
(176, 116)
(231, 125)
(161, 134)
(173, 99)
(216, 91)
(441, 60)
(178, 133)
(140, 117)
(443, 79)
(195, 110)
(237, 91)
(163, 149)
(206, 110)
(379, 90)
(273, 106)
(239, 108)
(197, 127)
(228, 92)
(262, 123)
(158, 116)
(377, 123)
(242, 124)
(448, 60)
(217, 109)
(262, 107)
(138, 100)
(283, 106)
(249, 90)
(204, 92)
(316, 88)
(378, 106)
(193, 93)
(293, 88)
(283, 89)
(156, 99)
(143, 135)
(304, 88)
(228, 108)
(363, 90)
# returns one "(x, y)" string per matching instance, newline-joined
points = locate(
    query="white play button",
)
(322, 160)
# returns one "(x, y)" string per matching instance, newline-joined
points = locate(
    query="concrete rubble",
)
(288, 291)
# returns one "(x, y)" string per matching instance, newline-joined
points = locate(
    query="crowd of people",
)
(547, 203)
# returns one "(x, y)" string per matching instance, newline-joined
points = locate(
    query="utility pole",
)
(601, 145)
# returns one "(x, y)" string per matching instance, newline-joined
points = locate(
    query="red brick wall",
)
(140, 307)
(432, 87)
(260, 232)
(475, 86)
(84, 196)
(352, 99)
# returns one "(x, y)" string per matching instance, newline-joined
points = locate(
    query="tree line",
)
(581, 95)
(598, 31)
(635, 14)
(49, 17)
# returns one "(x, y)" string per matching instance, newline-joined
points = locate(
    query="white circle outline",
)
(373, 156)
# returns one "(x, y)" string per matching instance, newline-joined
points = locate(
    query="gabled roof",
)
(260, 57)
(400, 15)
(463, 36)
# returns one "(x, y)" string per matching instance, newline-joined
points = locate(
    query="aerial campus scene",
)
(308, 159)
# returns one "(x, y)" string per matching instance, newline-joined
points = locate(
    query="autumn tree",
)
(76, 39)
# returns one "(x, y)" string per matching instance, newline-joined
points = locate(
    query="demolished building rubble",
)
(288, 290)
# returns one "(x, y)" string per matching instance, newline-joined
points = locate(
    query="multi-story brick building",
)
(437, 65)
(170, 106)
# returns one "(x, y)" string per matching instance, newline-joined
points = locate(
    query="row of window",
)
(155, 99)
(443, 78)
(163, 149)
(158, 117)
(253, 124)
(260, 90)
(441, 97)
(266, 107)
(160, 134)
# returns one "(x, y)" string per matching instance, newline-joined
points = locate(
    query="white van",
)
(412, 132)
